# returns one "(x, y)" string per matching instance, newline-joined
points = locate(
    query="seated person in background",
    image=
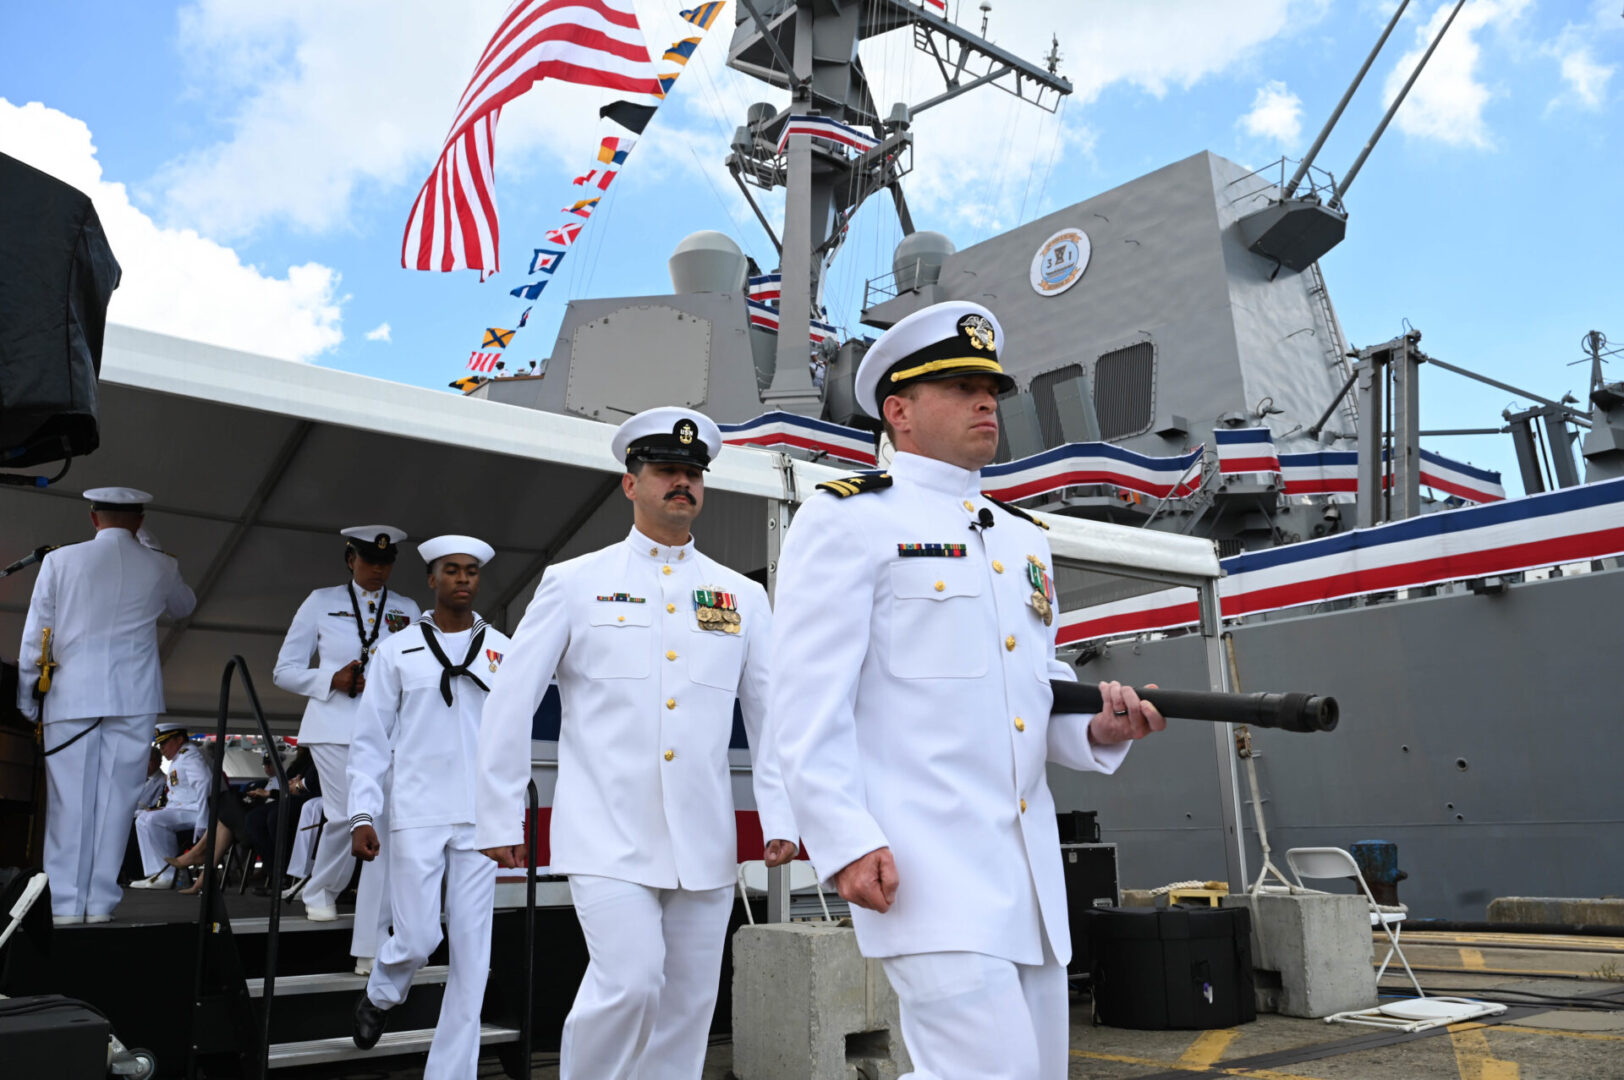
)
(152, 792)
(187, 791)
(259, 828)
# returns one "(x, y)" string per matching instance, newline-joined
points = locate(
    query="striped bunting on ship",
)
(822, 127)
(779, 429)
(1245, 450)
(1078, 464)
(1577, 524)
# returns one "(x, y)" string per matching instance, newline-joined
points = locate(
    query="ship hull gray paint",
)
(1522, 687)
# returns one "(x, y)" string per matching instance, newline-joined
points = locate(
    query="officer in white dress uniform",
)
(911, 704)
(420, 715)
(100, 602)
(334, 636)
(186, 799)
(651, 642)
(152, 792)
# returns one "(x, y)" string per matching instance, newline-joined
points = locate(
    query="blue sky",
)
(269, 154)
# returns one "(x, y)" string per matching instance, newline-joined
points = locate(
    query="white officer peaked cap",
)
(167, 731)
(937, 342)
(668, 433)
(118, 498)
(452, 544)
(370, 534)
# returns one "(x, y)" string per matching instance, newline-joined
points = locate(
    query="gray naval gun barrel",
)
(1286, 711)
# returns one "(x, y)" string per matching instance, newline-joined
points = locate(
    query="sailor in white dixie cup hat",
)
(651, 642)
(420, 717)
(89, 672)
(184, 800)
(912, 653)
(333, 638)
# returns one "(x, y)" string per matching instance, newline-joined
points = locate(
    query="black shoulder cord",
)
(377, 623)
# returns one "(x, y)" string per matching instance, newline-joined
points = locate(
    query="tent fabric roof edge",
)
(160, 363)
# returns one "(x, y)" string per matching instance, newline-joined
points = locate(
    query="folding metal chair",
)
(1425, 1012)
(802, 876)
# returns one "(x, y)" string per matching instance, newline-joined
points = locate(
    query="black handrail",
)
(205, 922)
(527, 1020)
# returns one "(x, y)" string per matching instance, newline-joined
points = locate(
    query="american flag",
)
(453, 224)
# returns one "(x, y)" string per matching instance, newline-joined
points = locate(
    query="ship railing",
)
(1270, 180)
(212, 919)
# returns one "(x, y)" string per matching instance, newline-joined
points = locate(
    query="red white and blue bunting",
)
(1573, 525)
(1077, 464)
(775, 430)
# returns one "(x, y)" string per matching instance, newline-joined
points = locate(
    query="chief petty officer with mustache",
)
(651, 642)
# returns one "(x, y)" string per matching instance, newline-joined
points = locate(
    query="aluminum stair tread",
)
(334, 981)
(343, 1048)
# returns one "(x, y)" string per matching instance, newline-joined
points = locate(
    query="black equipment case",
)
(1183, 967)
(51, 1036)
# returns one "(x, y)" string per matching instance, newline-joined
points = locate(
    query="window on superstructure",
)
(1124, 390)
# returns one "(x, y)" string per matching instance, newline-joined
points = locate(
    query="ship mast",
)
(809, 47)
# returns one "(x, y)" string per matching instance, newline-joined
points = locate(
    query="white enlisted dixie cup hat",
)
(937, 342)
(668, 434)
(127, 499)
(374, 543)
(452, 544)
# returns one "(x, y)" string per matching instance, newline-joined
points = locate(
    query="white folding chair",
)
(1320, 863)
(802, 876)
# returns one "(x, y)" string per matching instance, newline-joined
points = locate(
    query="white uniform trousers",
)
(421, 858)
(300, 856)
(335, 864)
(643, 1010)
(968, 1016)
(90, 791)
(156, 832)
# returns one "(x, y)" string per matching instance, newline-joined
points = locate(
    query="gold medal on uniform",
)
(1043, 595)
(716, 610)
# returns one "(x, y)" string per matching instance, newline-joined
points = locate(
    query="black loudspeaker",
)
(1079, 826)
(57, 274)
(1187, 968)
(53, 1036)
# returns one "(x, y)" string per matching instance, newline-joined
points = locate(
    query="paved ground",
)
(1570, 1026)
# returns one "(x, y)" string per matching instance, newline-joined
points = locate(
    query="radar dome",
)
(708, 262)
(919, 258)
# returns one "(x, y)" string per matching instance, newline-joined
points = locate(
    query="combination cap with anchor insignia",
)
(668, 434)
(374, 543)
(938, 342)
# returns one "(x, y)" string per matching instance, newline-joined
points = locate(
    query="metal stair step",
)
(290, 923)
(335, 981)
(343, 1048)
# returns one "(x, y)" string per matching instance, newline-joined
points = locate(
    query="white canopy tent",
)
(255, 464)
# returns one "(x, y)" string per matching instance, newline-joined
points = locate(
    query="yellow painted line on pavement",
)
(1474, 1060)
(1251, 1074)
(1208, 1048)
(1473, 960)
(1599, 1035)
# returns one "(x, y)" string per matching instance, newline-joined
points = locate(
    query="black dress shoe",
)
(369, 1022)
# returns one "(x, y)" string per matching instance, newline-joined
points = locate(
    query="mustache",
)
(681, 493)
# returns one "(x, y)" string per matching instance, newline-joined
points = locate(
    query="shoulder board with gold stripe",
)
(1017, 511)
(860, 484)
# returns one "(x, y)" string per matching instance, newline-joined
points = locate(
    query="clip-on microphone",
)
(984, 520)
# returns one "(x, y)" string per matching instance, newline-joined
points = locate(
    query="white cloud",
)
(1276, 114)
(379, 333)
(1448, 100)
(1586, 78)
(176, 281)
(330, 100)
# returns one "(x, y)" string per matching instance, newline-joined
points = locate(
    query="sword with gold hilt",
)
(47, 666)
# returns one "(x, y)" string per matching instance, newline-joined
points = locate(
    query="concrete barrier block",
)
(1557, 911)
(1311, 953)
(808, 1006)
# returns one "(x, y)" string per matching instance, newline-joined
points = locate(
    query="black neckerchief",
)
(447, 672)
(377, 624)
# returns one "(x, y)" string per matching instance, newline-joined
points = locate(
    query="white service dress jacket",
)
(405, 722)
(189, 775)
(322, 639)
(101, 599)
(644, 793)
(911, 706)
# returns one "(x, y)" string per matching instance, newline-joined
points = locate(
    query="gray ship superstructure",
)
(1480, 730)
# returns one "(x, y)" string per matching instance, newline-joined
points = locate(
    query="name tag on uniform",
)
(343, 614)
(717, 610)
(620, 598)
(931, 551)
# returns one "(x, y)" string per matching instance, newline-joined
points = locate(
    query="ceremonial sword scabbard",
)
(47, 666)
